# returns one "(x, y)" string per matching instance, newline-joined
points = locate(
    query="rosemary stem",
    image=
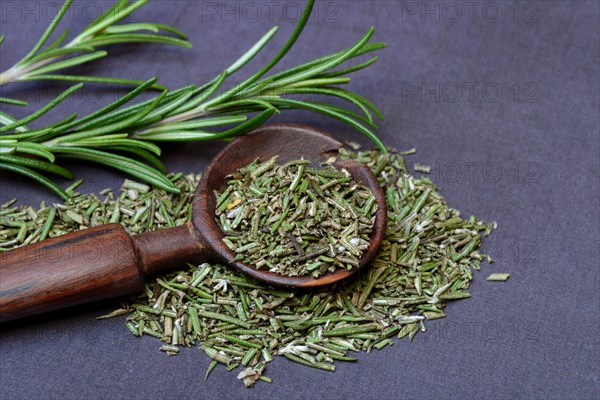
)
(8, 76)
(15, 73)
(197, 112)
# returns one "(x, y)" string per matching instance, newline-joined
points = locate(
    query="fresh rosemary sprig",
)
(121, 130)
(41, 64)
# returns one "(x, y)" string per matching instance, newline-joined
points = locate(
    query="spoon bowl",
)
(288, 142)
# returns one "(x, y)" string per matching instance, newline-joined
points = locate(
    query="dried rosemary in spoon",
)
(294, 219)
(425, 261)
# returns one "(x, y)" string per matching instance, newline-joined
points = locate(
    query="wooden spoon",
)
(104, 261)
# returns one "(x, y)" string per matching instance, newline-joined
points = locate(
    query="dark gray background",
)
(522, 151)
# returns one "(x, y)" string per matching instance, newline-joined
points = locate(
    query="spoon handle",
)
(91, 264)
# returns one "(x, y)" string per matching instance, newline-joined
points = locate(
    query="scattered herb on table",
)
(294, 219)
(426, 169)
(497, 277)
(426, 260)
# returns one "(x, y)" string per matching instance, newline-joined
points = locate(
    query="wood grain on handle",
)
(163, 250)
(91, 264)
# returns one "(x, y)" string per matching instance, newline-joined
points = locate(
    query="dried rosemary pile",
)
(426, 259)
(294, 219)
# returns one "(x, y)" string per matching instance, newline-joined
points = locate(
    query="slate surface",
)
(501, 99)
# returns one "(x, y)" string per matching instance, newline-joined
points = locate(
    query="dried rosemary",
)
(426, 259)
(497, 277)
(294, 219)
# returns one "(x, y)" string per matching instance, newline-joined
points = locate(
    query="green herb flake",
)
(497, 277)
